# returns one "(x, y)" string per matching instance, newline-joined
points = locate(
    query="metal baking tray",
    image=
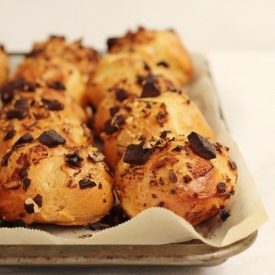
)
(191, 253)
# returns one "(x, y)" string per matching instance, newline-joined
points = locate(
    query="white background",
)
(238, 38)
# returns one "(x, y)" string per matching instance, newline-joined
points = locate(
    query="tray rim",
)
(192, 253)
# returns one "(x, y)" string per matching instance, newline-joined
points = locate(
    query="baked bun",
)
(164, 47)
(27, 108)
(62, 184)
(139, 119)
(4, 67)
(124, 71)
(57, 61)
(147, 85)
(187, 175)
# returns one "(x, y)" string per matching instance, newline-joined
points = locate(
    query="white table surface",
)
(239, 42)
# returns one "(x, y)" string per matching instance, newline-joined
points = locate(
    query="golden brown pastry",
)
(56, 60)
(28, 108)
(4, 67)
(45, 181)
(120, 70)
(186, 174)
(143, 118)
(164, 47)
(149, 86)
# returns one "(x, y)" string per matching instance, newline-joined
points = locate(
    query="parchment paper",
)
(159, 225)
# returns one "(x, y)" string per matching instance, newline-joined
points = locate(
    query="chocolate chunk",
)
(23, 173)
(221, 187)
(161, 204)
(150, 90)
(29, 208)
(136, 154)
(51, 138)
(201, 146)
(108, 169)
(23, 139)
(52, 104)
(21, 104)
(164, 134)
(173, 191)
(186, 178)
(10, 134)
(86, 183)
(26, 183)
(114, 110)
(178, 148)
(7, 92)
(74, 159)
(224, 215)
(163, 64)
(147, 67)
(17, 113)
(38, 200)
(111, 42)
(232, 165)
(121, 95)
(57, 85)
(5, 159)
(112, 125)
(172, 176)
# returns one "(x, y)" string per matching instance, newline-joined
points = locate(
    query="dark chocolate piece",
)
(29, 208)
(150, 89)
(86, 183)
(53, 104)
(51, 138)
(5, 159)
(136, 154)
(201, 146)
(23, 173)
(121, 95)
(172, 176)
(17, 113)
(113, 110)
(232, 165)
(57, 85)
(74, 159)
(10, 134)
(23, 139)
(224, 215)
(111, 42)
(221, 187)
(112, 125)
(21, 104)
(186, 178)
(26, 183)
(7, 92)
(178, 148)
(38, 200)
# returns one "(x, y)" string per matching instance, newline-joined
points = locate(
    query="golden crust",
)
(164, 47)
(4, 67)
(176, 178)
(143, 118)
(123, 90)
(123, 70)
(39, 185)
(56, 60)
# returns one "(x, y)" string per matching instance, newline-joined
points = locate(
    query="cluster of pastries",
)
(155, 140)
(50, 171)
